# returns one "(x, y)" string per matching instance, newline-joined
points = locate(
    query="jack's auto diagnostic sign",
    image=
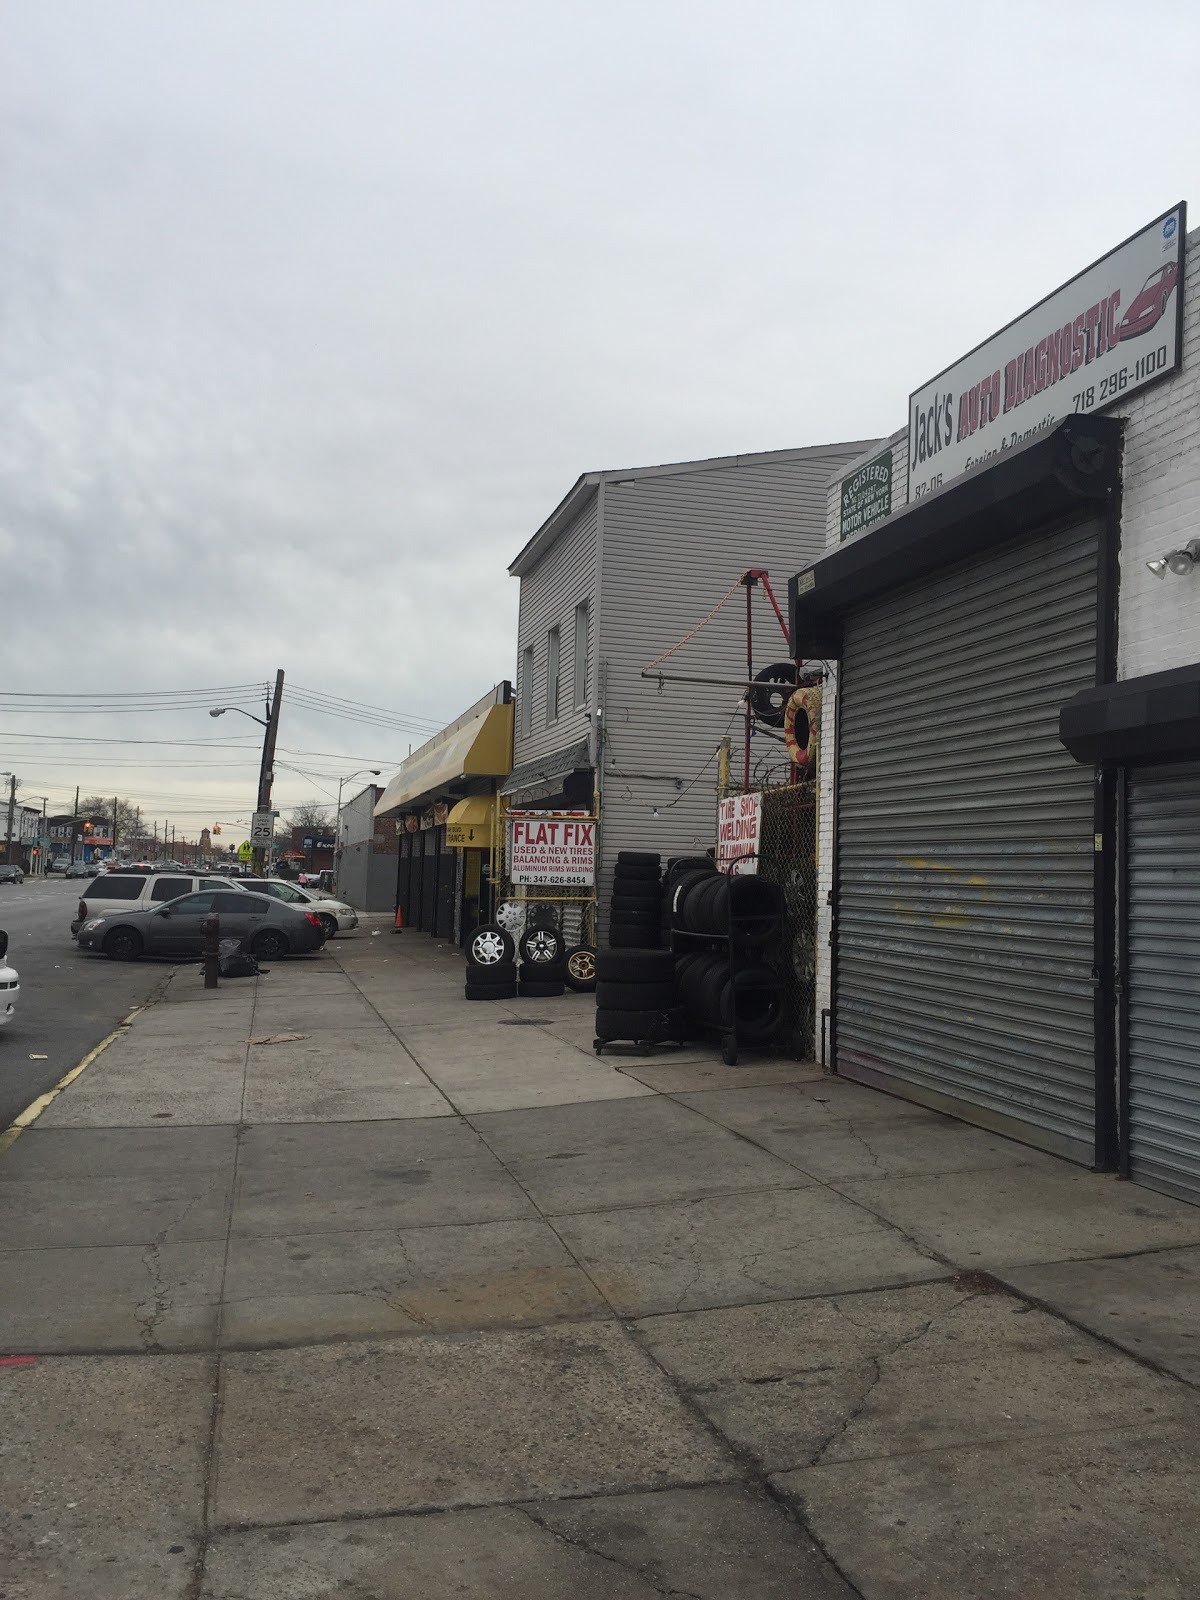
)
(552, 847)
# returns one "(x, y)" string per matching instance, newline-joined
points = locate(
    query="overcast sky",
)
(311, 312)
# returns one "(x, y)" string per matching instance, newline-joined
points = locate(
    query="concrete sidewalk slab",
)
(473, 1275)
(126, 1209)
(102, 1476)
(798, 1106)
(367, 1076)
(737, 1249)
(1106, 1515)
(132, 1085)
(910, 1370)
(486, 1071)
(111, 1297)
(309, 1013)
(684, 1166)
(72, 1153)
(1018, 1216)
(690, 1072)
(1148, 1304)
(554, 1130)
(709, 1543)
(443, 1420)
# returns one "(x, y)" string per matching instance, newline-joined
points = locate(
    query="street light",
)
(266, 773)
(337, 827)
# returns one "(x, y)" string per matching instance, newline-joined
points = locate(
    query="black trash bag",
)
(235, 961)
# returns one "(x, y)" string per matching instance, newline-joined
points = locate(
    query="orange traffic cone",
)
(398, 925)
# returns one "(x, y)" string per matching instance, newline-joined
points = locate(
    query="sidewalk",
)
(430, 1301)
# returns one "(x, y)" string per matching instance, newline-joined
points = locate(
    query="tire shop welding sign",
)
(552, 847)
(739, 826)
(1116, 327)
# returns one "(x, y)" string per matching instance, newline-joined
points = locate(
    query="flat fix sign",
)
(1116, 327)
(552, 847)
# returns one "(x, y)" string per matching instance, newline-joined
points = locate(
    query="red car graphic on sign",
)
(1150, 304)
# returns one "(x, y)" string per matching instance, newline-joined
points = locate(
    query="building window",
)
(525, 693)
(581, 655)
(552, 674)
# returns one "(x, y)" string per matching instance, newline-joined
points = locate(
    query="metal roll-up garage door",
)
(1163, 977)
(965, 843)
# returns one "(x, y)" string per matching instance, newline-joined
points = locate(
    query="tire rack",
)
(729, 1039)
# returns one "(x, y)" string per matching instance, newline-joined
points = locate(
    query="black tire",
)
(631, 906)
(683, 886)
(124, 944)
(270, 945)
(579, 968)
(492, 977)
(637, 890)
(530, 974)
(631, 873)
(542, 948)
(635, 996)
(756, 907)
(635, 919)
(639, 858)
(665, 1023)
(635, 966)
(540, 991)
(634, 938)
(490, 991)
(773, 688)
(490, 945)
(329, 923)
(682, 864)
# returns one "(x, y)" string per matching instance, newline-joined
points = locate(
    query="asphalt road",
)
(69, 1001)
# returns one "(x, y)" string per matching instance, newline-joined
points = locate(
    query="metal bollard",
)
(212, 948)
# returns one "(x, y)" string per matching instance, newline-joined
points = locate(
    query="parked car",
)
(10, 983)
(11, 873)
(57, 864)
(127, 890)
(336, 916)
(1149, 304)
(81, 869)
(176, 929)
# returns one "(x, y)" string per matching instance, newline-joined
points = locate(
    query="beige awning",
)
(480, 748)
(469, 825)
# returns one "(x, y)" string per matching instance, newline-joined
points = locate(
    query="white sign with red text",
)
(1087, 347)
(739, 825)
(552, 847)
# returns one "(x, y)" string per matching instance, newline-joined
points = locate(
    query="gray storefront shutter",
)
(965, 843)
(1163, 975)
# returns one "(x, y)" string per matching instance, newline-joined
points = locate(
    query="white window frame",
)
(525, 693)
(553, 674)
(580, 655)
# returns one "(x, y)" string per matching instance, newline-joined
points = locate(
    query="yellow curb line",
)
(32, 1112)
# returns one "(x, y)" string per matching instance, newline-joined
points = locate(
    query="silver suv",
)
(123, 890)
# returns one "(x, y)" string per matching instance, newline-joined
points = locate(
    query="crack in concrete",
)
(159, 1301)
(634, 1569)
(854, 1134)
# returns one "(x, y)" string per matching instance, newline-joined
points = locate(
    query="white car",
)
(10, 983)
(336, 916)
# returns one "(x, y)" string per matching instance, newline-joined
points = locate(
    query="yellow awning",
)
(479, 748)
(469, 825)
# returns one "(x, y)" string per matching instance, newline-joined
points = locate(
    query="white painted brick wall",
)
(1159, 618)
(825, 812)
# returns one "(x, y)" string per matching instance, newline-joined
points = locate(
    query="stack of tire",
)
(636, 910)
(635, 996)
(546, 968)
(747, 913)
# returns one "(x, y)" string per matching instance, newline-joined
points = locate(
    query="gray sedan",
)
(176, 929)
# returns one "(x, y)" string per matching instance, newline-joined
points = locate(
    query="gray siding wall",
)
(672, 545)
(366, 880)
(564, 576)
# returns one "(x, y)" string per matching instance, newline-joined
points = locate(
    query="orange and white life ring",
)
(802, 728)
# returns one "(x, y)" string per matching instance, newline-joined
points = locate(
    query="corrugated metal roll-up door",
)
(1163, 977)
(965, 843)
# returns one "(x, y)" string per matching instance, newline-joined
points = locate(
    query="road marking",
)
(33, 1111)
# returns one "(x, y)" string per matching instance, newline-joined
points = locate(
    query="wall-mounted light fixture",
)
(1180, 562)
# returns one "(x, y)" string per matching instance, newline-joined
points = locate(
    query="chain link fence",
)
(788, 856)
